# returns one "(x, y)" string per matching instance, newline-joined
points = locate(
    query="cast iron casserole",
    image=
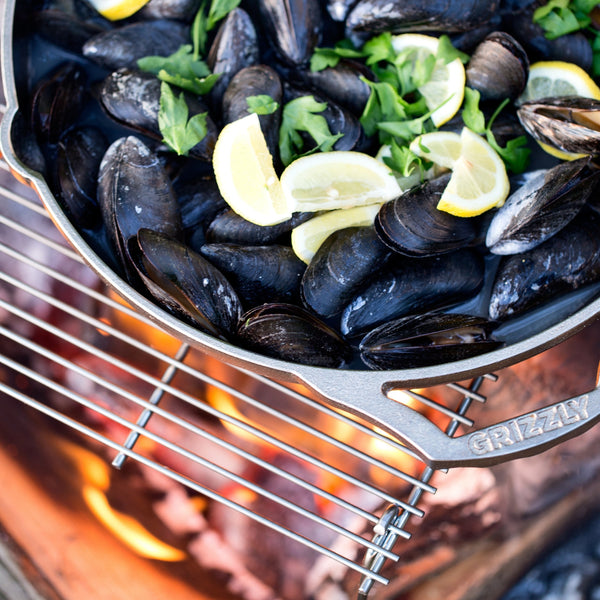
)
(359, 392)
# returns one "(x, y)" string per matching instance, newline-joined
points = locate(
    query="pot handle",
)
(518, 437)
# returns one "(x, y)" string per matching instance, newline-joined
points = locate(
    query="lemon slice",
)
(444, 92)
(557, 78)
(338, 179)
(308, 237)
(115, 10)
(479, 181)
(245, 174)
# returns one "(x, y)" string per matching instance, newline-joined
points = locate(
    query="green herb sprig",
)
(516, 153)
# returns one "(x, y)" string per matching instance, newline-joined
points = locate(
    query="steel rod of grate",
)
(116, 333)
(50, 384)
(197, 404)
(375, 564)
(103, 326)
(75, 425)
(52, 356)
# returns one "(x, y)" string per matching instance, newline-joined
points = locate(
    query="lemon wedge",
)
(479, 181)
(338, 179)
(444, 92)
(245, 174)
(308, 237)
(115, 10)
(557, 78)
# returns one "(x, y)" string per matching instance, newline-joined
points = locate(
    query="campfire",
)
(235, 487)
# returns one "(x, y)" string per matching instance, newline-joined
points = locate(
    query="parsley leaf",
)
(404, 161)
(178, 132)
(301, 115)
(384, 104)
(262, 104)
(330, 57)
(516, 153)
(206, 21)
(181, 69)
(446, 52)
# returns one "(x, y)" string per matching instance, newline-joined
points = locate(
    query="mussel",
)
(409, 285)
(288, 332)
(294, 27)
(185, 283)
(259, 274)
(132, 98)
(549, 200)
(134, 192)
(427, 339)
(79, 153)
(344, 264)
(123, 46)
(565, 262)
(412, 225)
(498, 68)
(400, 16)
(569, 123)
(182, 10)
(234, 47)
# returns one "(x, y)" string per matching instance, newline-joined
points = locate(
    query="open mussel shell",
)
(427, 339)
(547, 202)
(344, 264)
(498, 68)
(289, 332)
(563, 263)
(569, 123)
(259, 274)
(409, 285)
(185, 283)
(123, 46)
(412, 225)
(78, 157)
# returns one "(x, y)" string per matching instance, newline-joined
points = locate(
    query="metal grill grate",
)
(110, 374)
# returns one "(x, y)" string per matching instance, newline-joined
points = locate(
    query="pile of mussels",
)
(387, 293)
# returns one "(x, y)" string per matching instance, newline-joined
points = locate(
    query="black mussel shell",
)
(185, 283)
(259, 274)
(541, 207)
(181, 10)
(135, 192)
(132, 98)
(78, 157)
(412, 225)
(409, 285)
(498, 68)
(234, 48)
(293, 27)
(288, 332)
(123, 46)
(569, 123)
(228, 226)
(402, 16)
(255, 80)
(343, 265)
(563, 263)
(425, 340)
(57, 102)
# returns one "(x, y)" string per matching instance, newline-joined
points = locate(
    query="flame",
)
(95, 474)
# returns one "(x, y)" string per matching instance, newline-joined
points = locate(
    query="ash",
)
(570, 572)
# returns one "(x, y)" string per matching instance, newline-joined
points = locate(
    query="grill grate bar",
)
(207, 379)
(165, 387)
(388, 540)
(77, 426)
(440, 408)
(189, 455)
